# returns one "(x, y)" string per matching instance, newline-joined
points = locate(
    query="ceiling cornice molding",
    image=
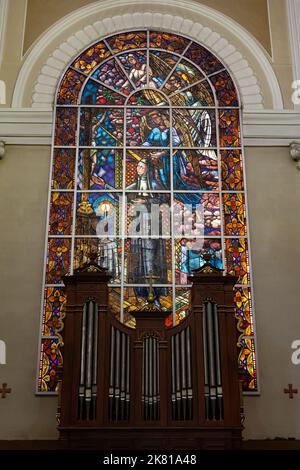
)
(52, 65)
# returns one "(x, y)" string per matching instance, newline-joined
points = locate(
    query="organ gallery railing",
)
(152, 381)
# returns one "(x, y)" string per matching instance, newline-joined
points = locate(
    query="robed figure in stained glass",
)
(147, 255)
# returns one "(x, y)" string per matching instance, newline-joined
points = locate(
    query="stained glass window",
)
(147, 128)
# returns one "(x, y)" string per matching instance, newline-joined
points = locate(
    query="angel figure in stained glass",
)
(138, 73)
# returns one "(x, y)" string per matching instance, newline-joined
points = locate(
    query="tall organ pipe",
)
(150, 339)
(150, 378)
(127, 391)
(177, 376)
(183, 374)
(181, 369)
(212, 362)
(189, 373)
(89, 359)
(173, 395)
(117, 376)
(112, 371)
(218, 361)
(123, 372)
(82, 363)
(95, 361)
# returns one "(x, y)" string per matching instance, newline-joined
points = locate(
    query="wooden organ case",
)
(151, 387)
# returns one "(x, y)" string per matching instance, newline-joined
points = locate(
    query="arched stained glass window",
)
(147, 129)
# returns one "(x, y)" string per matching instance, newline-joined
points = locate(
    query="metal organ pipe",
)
(189, 373)
(150, 379)
(173, 393)
(123, 372)
(82, 364)
(206, 363)
(119, 378)
(127, 390)
(212, 362)
(154, 380)
(95, 362)
(218, 362)
(182, 392)
(183, 370)
(177, 377)
(112, 371)
(88, 362)
(150, 339)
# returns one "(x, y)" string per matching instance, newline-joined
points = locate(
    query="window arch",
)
(146, 119)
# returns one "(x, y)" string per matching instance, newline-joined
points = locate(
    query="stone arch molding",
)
(236, 55)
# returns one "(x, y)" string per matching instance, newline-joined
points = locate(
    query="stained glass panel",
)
(229, 128)
(149, 128)
(147, 141)
(189, 256)
(50, 363)
(112, 75)
(197, 95)
(184, 75)
(154, 164)
(109, 253)
(55, 302)
(95, 93)
(207, 62)
(234, 214)
(161, 65)
(183, 302)
(58, 259)
(127, 41)
(243, 303)
(98, 214)
(148, 214)
(196, 215)
(147, 97)
(232, 170)
(63, 170)
(65, 126)
(101, 127)
(168, 41)
(61, 207)
(143, 255)
(100, 169)
(247, 364)
(195, 170)
(93, 56)
(70, 87)
(194, 128)
(225, 89)
(237, 259)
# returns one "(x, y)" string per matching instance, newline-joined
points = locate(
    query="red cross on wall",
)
(4, 390)
(290, 391)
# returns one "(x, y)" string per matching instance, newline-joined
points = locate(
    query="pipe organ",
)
(151, 386)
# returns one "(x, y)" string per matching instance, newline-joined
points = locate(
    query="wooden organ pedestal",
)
(151, 387)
